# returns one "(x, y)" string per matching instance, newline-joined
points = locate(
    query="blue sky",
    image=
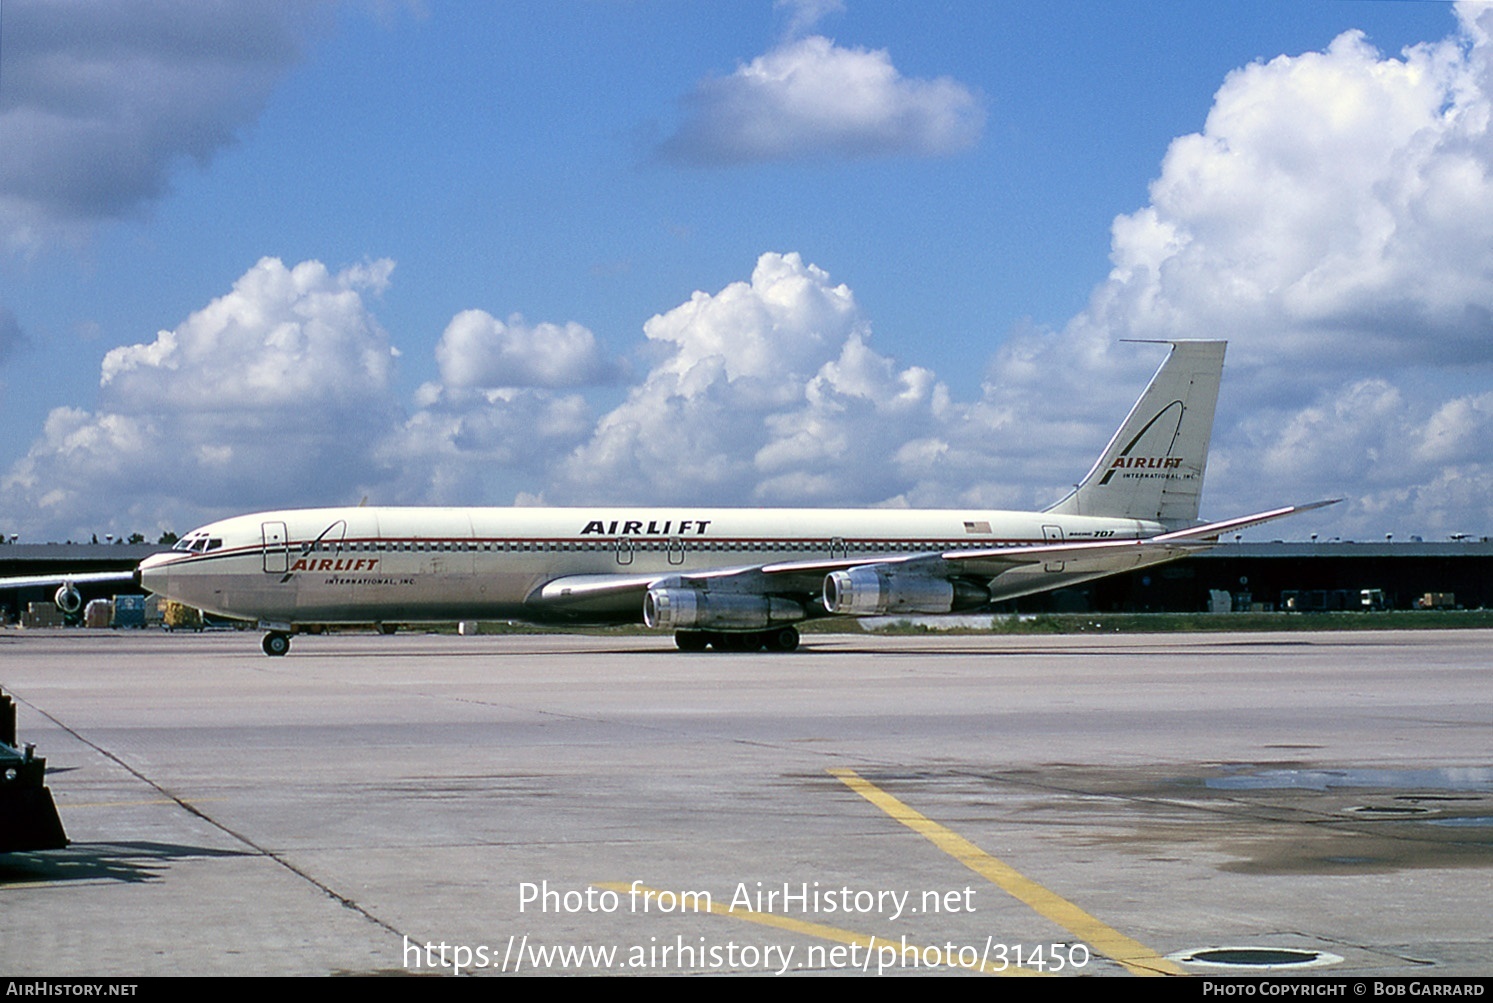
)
(738, 253)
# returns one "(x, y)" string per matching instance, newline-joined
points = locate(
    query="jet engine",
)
(680, 608)
(68, 598)
(870, 591)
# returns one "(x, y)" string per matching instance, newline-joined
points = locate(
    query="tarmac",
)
(1031, 806)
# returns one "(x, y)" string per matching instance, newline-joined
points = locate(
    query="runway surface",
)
(576, 805)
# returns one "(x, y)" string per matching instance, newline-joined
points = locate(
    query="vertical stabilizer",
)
(1153, 467)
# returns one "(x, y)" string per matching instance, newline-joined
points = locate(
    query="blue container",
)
(129, 611)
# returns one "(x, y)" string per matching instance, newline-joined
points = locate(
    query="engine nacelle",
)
(676, 609)
(68, 599)
(872, 591)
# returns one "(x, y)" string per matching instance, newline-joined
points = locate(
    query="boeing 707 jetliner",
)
(729, 578)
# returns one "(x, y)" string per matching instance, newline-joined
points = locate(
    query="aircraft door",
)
(624, 550)
(276, 554)
(676, 550)
(1053, 534)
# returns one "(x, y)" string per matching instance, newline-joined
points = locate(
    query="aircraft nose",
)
(154, 572)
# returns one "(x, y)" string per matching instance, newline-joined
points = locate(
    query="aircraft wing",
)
(85, 578)
(575, 590)
(68, 598)
(792, 576)
(992, 561)
(578, 594)
(589, 590)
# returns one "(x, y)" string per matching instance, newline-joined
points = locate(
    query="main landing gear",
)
(777, 639)
(275, 643)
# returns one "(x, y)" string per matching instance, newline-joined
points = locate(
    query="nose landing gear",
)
(275, 643)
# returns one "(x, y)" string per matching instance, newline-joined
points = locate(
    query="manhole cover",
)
(1255, 957)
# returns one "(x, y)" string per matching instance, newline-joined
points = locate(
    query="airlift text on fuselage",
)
(637, 527)
(335, 564)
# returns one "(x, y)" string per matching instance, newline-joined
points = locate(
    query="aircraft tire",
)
(735, 641)
(691, 640)
(783, 639)
(275, 643)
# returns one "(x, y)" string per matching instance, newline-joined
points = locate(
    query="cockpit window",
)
(198, 543)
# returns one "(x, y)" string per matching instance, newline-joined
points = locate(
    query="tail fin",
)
(1153, 467)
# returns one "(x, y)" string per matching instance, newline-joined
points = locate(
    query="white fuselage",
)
(362, 565)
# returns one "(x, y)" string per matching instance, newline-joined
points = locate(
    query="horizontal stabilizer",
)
(1119, 554)
(1214, 529)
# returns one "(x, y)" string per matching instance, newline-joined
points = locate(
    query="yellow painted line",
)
(870, 942)
(1101, 937)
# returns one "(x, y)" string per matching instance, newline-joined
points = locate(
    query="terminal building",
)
(1303, 577)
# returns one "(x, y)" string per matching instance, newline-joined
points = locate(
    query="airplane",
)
(732, 579)
(726, 578)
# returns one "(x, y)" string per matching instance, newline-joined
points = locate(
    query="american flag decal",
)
(976, 527)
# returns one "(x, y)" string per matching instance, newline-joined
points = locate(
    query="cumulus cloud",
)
(478, 350)
(866, 432)
(1341, 195)
(481, 447)
(767, 393)
(805, 14)
(102, 100)
(1407, 463)
(506, 409)
(276, 393)
(811, 98)
(281, 338)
